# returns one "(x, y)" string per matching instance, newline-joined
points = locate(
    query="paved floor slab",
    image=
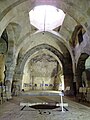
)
(11, 110)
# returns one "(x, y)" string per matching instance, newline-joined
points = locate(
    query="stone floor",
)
(11, 110)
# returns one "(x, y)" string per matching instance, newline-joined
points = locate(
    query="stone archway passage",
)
(23, 60)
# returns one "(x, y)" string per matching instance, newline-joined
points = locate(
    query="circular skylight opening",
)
(46, 17)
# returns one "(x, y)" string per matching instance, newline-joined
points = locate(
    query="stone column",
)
(13, 34)
(68, 80)
(10, 66)
(74, 85)
(78, 82)
(9, 78)
(17, 83)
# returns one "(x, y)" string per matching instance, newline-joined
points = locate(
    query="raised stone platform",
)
(42, 93)
(11, 110)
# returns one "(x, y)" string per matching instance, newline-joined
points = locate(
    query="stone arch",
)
(10, 60)
(80, 69)
(4, 42)
(47, 52)
(57, 37)
(55, 73)
(54, 35)
(23, 60)
(3, 51)
(65, 6)
(19, 69)
(75, 41)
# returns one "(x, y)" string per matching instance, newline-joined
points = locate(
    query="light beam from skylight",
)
(46, 17)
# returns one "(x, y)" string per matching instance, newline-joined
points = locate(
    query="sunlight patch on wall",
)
(87, 63)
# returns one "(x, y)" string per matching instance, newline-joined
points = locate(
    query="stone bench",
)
(84, 94)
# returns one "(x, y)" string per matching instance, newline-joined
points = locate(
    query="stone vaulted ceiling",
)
(14, 19)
